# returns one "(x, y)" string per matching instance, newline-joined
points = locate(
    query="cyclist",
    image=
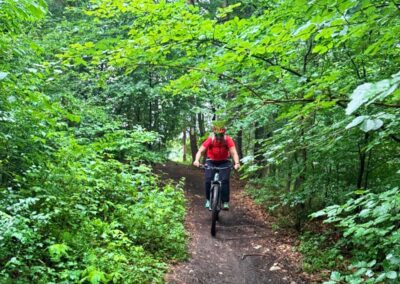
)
(219, 147)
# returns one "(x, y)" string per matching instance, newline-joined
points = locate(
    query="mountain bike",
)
(215, 196)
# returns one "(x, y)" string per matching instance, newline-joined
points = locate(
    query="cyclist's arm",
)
(235, 157)
(196, 162)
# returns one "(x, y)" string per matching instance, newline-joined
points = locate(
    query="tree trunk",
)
(202, 128)
(258, 157)
(184, 145)
(301, 207)
(213, 111)
(193, 138)
(156, 123)
(239, 143)
(289, 175)
(258, 135)
(367, 170)
(362, 158)
(150, 102)
(303, 154)
(150, 116)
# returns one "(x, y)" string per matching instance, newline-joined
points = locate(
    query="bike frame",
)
(215, 190)
(216, 181)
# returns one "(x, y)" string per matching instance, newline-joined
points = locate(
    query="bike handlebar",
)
(205, 167)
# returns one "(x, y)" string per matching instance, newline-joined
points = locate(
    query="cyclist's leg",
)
(208, 179)
(224, 176)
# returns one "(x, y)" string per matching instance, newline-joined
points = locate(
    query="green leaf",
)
(391, 275)
(356, 121)
(371, 92)
(73, 118)
(392, 259)
(318, 214)
(96, 277)
(305, 31)
(359, 97)
(57, 251)
(36, 10)
(335, 276)
(371, 263)
(321, 49)
(3, 75)
(380, 278)
(371, 124)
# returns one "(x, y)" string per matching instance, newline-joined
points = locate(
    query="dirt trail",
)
(245, 249)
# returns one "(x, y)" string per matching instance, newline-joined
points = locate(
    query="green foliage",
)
(13, 15)
(369, 222)
(124, 145)
(56, 251)
(319, 253)
(369, 93)
(95, 217)
(78, 199)
(310, 88)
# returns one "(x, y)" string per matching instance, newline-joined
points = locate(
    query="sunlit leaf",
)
(356, 121)
(3, 75)
(371, 124)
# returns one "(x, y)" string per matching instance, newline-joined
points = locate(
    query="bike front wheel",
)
(214, 208)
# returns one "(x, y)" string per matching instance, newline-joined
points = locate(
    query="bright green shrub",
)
(72, 172)
(318, 252)
(156, 221)
(83, 217)
(370, 225)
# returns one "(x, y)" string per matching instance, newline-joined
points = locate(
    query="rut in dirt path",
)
(245, 249)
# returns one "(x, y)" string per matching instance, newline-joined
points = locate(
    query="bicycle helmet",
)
(218, 130)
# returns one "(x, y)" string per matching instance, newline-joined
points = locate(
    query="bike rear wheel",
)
(214, 208)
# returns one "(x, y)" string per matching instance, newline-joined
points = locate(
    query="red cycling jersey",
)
(218, 150)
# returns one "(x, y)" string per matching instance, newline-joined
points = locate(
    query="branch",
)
(340, 102)
(245, 238)
(251, 90)
(224, 45)
(267, 60)
(354, 64)
(395, 138)
(247, 87)
(300, 101)
(306, 56)
(387, 105)
(253, 254)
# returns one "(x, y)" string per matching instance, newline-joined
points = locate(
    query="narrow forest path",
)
(245, 250)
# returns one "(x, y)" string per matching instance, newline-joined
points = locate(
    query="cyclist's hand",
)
(196, 164)
(236, 166)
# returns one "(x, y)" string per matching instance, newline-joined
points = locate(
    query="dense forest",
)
(95, 92)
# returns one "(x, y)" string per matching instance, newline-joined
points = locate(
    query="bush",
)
(370, 225)
(318, 252)
(81, 217)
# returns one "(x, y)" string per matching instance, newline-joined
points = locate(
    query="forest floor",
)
(245, 250)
